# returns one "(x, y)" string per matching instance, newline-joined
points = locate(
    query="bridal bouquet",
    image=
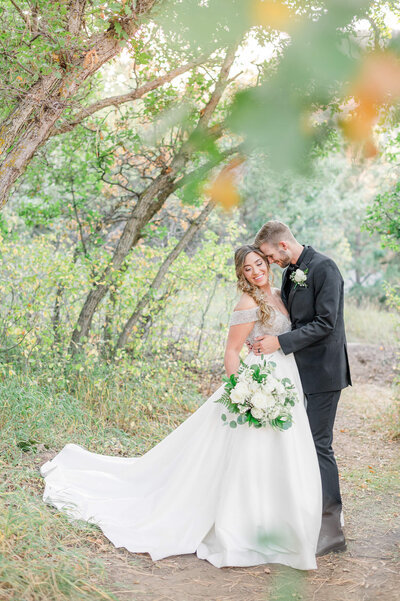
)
(259, 397)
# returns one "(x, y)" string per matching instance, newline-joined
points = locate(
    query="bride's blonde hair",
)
(245, 286)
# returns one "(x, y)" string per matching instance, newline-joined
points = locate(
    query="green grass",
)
(43, 557)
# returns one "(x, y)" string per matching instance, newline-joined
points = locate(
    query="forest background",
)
(141, 143)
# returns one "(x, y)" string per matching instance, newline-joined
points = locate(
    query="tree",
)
(54, 48)
(384, 217)
(149, 203)
(50, 49)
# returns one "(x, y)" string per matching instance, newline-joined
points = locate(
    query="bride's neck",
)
(266, 290)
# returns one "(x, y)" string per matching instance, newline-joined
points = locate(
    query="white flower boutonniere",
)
(299, 277)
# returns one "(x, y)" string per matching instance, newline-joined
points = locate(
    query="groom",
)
(312, 291)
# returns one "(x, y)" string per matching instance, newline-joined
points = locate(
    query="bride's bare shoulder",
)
(277, 292)
(245, 302)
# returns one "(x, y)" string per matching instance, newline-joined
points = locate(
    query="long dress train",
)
(236, 497)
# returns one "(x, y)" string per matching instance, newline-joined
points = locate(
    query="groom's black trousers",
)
(321, 411)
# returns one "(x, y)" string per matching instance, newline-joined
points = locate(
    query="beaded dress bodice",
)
(278, 325)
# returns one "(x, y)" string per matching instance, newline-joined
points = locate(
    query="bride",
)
(235, 496)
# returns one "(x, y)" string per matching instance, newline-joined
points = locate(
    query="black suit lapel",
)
(283, 285)
(303, 266)
(291, 295)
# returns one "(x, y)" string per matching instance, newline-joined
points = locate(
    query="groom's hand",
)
(265, 345)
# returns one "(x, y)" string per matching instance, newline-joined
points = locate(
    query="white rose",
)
(300, 276)
(258, 400)
(280, 389)
(240, 392)
(243, 388)
(254, 387)
(275, 412)
(269, 385)
(235, 396)
(269, 401)
(257, 413)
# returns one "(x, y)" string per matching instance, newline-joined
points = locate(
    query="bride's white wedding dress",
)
(236, 497)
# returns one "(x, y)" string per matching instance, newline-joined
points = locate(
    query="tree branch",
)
(80, 227)
(144, 6)
(220, 86)
(76, 11)
(22, 14)
(376, 32)
(130, 96)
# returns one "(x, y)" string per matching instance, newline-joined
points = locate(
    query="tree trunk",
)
(147, 321)
(204, 313)
(56, 316)
(31, 123)
(162, 272)
(148, 205)
(106, 348)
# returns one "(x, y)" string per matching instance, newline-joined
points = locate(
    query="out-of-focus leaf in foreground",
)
(223, 189)
(377, 86)
(318, 63)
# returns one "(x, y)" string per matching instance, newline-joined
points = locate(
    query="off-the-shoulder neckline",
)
(256, 307)
(249, 309)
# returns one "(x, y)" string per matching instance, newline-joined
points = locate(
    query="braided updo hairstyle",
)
(245, 286)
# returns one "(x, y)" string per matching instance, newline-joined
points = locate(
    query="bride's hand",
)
(265, 345)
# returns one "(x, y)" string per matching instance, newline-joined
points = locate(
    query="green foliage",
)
(43, 282)
(327, 209)
(383, 217)
(36, 41)
(276, 117)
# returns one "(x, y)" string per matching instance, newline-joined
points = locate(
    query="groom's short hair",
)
(273, 232)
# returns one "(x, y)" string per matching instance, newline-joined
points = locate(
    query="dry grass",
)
(43, 557)
(371, 324)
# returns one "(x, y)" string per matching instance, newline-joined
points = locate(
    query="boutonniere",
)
(299, 277)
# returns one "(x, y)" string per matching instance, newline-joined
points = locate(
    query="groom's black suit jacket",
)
(318, 338)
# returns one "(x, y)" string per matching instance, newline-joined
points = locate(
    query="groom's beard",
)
(284, 259)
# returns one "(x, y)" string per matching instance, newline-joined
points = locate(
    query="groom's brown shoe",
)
(331, 538)
(331, 545)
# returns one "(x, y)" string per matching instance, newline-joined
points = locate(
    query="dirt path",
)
(370, 569)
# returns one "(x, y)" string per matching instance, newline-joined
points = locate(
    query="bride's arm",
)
(236, 338)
